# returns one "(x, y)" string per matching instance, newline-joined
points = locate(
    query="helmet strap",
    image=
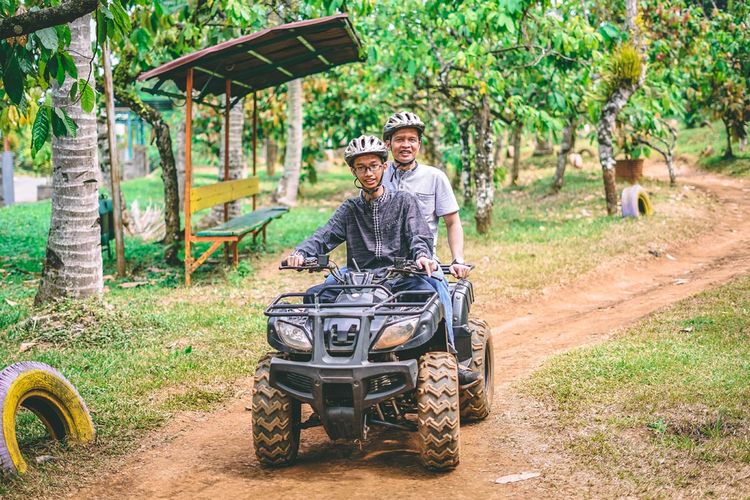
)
(369, 192)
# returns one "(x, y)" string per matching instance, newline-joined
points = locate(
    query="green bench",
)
(230, 232)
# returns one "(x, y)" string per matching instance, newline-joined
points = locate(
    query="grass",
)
(142, 354)
(666, 405)
(706, 146)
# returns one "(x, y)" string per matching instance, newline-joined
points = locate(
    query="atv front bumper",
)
(341, 394)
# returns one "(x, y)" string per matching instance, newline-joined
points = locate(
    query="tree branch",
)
(28, 22)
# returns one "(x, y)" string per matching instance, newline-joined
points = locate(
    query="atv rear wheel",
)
(276, 419)
(476, 401)
(437, 411)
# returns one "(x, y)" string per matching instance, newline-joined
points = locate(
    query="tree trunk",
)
(128, 96)
(73, 265)
(728, 126)
(485, 188)
(615, 102)
(286, 191)
(180, 161)
(466, 186)
(500, 145)
(566, 146)
(272, 151)
(670, 169)
(237, 164)
(517, 134)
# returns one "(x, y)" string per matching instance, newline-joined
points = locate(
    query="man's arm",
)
(456, 244)
(324, 240)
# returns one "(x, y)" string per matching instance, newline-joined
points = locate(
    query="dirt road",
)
(210, 456)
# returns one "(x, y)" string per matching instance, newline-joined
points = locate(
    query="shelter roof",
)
(264, 59)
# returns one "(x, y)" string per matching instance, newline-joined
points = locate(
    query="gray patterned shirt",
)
(375, 232)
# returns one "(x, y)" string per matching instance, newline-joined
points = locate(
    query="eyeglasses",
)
(369, 168)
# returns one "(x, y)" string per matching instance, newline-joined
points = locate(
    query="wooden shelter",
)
(237, 68)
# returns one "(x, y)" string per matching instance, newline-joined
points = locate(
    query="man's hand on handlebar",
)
(294, 260)
(427, 264)
(460, 270)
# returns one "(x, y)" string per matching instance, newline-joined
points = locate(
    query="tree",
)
(286, 191)
(626, 74)
(73, 265)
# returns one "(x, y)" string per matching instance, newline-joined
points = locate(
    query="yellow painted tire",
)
(47, 393)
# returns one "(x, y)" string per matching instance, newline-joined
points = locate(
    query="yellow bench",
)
(231, 231)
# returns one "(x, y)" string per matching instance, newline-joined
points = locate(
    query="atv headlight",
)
(293, 336)
(396, 334)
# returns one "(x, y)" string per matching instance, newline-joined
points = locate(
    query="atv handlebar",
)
(401, 266)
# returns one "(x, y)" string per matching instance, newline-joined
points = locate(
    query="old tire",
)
(47, 393)
(276, 419)
(438, 421)
(476, 401)
(635, 202)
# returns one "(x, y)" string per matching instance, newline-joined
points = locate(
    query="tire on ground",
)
(47, 393)
(635, 202)
(438, 420)
(476, 401)
(276, 419)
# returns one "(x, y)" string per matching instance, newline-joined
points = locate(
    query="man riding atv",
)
(402, 134)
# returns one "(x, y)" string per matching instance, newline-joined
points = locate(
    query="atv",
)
(369, 358)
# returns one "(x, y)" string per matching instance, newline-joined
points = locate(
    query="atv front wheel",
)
(276, 419)
(476, 401)
(437, 410)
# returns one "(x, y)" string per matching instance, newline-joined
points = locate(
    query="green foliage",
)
(625, 67)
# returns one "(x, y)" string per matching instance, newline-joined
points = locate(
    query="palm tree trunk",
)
(237, 165)
(73, 265)
(286, 191)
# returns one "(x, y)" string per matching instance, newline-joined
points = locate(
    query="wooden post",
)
(114, 168)
(227, 107)
(188, 169)
(255, 139)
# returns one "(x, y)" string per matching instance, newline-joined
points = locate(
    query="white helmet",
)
(401, 120)
(365, 145)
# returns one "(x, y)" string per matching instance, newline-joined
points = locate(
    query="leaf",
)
(512, 478)
(48, 37)
(73, 92)
(40, 129)
(88, 97)
(69, 65)
(13, 79)
(62, 124)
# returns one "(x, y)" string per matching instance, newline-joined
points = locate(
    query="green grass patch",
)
(707, 146)
(667, 396)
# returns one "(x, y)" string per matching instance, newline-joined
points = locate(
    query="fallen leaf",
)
(45, 458)
(687, 329)
(108, 277)
(670, 257)
(655, 253)
(25, 346)
(11, 302)
(512, 478)
(155, 269)
(680, 282)
(132, 284)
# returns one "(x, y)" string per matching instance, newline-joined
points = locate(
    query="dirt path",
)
(210, 455)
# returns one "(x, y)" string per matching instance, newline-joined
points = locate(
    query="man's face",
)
(369, 170)
(404, 145)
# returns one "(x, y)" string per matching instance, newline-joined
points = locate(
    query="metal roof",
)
(264, 59)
